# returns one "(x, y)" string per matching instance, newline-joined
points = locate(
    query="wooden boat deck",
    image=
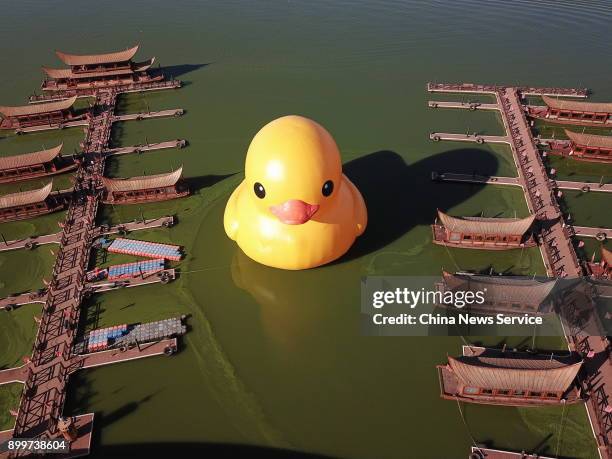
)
(439, 238)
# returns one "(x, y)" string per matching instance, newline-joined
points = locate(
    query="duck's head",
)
(293, 169)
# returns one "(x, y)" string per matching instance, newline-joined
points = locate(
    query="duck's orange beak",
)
(294, 211)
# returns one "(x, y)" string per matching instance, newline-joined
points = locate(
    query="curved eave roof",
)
(92, 59)
(539, 375)
(489, 226)
(503, 289)
(37, 109)
(30, 159)
(578, 106)
(144, 182)
(590, 140)
(23, 198)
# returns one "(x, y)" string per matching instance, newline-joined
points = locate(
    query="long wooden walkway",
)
(178, 143)
(477, 138)
(514, 181)
(462, 105)
(149, 115)
(476, 88)
(31, 242)
(52, 360)
(555, 241)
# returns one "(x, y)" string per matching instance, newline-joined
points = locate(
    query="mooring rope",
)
(452, 258)
(560, 430)
(466, 424)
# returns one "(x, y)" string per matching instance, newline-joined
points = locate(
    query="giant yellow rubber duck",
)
(295, 209)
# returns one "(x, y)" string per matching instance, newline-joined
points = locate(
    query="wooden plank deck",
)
(102, 358)
(57, 237)
(493, 89)
(23, 298)
(14, 375)
(587, 231)
(178, 143)
(50, 127)
(498, 180)
(462, 105)
(32, 241)
(149, 115)
(107, 286)
(437, 136)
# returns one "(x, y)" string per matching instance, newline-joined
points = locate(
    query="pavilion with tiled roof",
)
(98, 70)
(483, 232)
(578, 111)
(147, 188)
(27, 204)
(48, 113)
(590, 147)
(495, 377)
(36, 164)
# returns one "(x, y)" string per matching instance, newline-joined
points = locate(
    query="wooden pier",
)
(556, 246)
(178, 143)
(498, 180)
(588, 231)
(11, 302)
(462, 105)
(475, 88)
(149, 115)
(102, 358)
(91, 92)
(165, 276)
(477, 138)
(34, 241)
(52, 360)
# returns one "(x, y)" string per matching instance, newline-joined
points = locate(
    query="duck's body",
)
(295, 209)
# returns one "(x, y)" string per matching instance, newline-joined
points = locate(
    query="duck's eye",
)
(259, 189)
(328, 188)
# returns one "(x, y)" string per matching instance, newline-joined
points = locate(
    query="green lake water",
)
(273, 358)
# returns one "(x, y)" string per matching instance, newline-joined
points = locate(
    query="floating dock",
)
(47, 372)
(556, 245)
